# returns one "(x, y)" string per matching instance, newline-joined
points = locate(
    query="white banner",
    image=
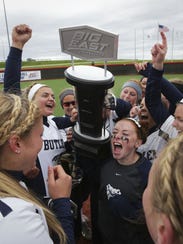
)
(1, 77)
(31, 75)
(26, 75)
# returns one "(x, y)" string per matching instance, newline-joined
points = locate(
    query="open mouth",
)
(49, 106)
(117, 147)
(143, 117)
(179, 131)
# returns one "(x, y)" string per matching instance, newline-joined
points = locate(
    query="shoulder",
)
(107, 162)
(17, 208)
(14, 203)
(50, 120)
(24, 221)
(167, 130)
(144, 166)
(144, 163)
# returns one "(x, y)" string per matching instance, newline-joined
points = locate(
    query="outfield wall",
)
(115, 69)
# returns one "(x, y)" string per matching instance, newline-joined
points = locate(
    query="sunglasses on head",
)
(67, 104)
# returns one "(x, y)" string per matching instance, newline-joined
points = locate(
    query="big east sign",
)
(89, 43)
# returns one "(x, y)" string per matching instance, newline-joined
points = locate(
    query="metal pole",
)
(135, 47)
(143, 45)
(6, 24)
(172, 43)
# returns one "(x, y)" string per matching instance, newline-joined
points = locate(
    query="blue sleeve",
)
(63, 122)
(62, 209)
(147, 70)
(167, 88)
(153, 97)
(144, 170)
(122, 108)
(171, 93)
(12, 73)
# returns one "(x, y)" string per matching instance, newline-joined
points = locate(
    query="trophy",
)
(91, 84)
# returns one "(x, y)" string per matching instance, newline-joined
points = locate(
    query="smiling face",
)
(178, 122)
(45, 100)
(31, 145)
(125, 141)
(68, 104)
(143, 83)
(129, 94)
(145, 118)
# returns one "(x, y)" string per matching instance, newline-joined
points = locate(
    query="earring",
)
(17, 151)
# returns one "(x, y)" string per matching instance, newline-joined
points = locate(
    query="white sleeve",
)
(25, 224)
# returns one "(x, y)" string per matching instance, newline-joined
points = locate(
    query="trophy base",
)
(97, 148)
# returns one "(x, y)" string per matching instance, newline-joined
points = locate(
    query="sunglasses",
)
(67, 104)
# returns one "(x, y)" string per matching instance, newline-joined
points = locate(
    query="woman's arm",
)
(20, 35)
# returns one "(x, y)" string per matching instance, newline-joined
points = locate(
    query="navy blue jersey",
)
(120, 217)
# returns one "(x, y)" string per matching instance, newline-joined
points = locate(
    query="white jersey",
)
(22, 222)
(110, 122)
(157, 140)
(53, 146)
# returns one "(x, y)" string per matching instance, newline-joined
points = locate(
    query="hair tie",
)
(33, 90)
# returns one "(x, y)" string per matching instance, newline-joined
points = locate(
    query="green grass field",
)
(58, 84)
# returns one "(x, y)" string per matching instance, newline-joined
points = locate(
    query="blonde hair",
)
(168, 184)
(30, 91)
(18, 116)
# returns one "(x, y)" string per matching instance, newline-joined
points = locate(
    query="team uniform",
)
(163, 131)
(120, 202)
(53, 147)
(157, 140)
(24, 222)
(53, 142)
(53, 139)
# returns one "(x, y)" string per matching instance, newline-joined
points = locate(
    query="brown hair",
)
(141, 132)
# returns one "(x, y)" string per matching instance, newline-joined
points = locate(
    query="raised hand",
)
(74, 115)
(158, 52)
(20, 35)
(140, 66)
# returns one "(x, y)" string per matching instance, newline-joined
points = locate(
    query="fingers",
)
(23, 29)
(158, 47)
(55, 174)
(59, 172)
(74, 114)
(69, 134)
(154, 51)
(140, 66)
(59, 183)
(51, 178)
(20, 35)
(164, 40)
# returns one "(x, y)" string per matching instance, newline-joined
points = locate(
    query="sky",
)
(134, 21)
